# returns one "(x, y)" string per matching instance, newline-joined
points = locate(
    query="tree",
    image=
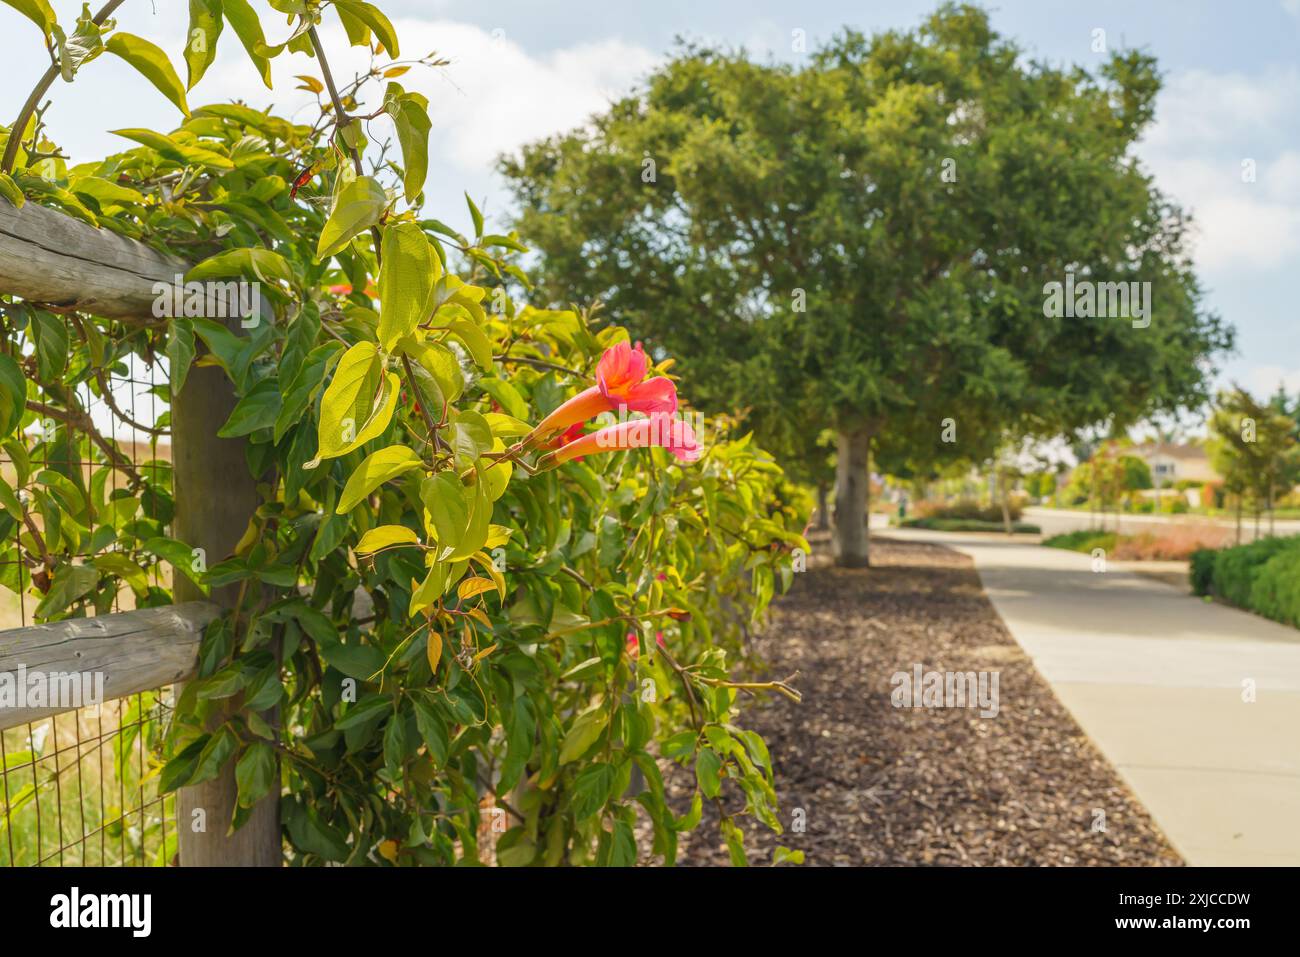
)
(1254, 447)
(866, 242)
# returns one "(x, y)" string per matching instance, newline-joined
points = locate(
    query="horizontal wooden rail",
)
(49, 257)
(133, 651)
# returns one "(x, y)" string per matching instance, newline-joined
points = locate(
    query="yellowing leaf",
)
(410, 113)
(359, 204)
(433, 650)
(386, 536)
(406, 277)
(149, 60)
(357, 405)
(377, 469)
(248, 27)
(475, 340)
(201, 39)
(37, 11)
(474, 586)
(425, 593)
(376, 21)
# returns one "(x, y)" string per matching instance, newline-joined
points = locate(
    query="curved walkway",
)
(1158, 679)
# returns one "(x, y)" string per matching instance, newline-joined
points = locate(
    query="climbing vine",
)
(499, 574)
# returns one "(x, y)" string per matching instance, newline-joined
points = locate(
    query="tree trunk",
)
(823, 507)
(1238, 519)
(851, 491)
(1006, 507)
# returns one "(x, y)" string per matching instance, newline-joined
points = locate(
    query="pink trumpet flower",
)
(620, 383)
(661, 429)
(634, 646)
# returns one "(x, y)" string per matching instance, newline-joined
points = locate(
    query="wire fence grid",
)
(81, 788)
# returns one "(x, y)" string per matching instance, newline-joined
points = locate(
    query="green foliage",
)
(968, 525)
(823, 247)
(1236, 571)
(1201, 570)
(1084, 540)
(443, 622)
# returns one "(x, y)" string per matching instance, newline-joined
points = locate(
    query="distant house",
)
(1170, 463)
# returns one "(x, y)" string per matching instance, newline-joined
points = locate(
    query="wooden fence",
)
(55, 261)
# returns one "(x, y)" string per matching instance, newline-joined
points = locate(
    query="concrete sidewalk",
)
(1155, 677)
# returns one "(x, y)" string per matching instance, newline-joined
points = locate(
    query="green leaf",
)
(255, 772)
(406, 278)
(428, 591)
(13, 395)
(475, 215)
(377, 468)
(508, 398)
(219, 749)
(410, 113)
(181, 153)
(262, 265)
(201, 39)
(448, 503)
(306, 383)
(37, 11)
(386, 536)
(258, 409)
(707, 766)
(149, 60)
(180, 352)
(376, 21)
(471, 436)
(586, 730)
(71, 582)
(84, 45)
(244, 21)
(10, 191)
(475, 340)
(358, 205)
(591, 790)
(51, 333)
(180, 767)
(358, 403)
(105, 192)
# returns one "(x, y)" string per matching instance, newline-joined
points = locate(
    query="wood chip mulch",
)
(880, 785)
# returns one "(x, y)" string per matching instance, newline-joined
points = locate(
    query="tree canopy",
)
(865, 241)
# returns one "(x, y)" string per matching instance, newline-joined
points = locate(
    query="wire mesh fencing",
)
(80, 788)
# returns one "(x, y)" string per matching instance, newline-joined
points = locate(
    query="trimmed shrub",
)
(1275, 592)
(1235, 569)
(1202, 570)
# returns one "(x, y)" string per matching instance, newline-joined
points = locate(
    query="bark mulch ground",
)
(880, 785)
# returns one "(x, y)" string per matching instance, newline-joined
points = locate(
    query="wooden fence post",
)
(215, 497)
(50, 258)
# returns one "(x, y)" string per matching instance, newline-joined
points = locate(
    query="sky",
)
(521, 70)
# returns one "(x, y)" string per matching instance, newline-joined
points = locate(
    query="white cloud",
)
(1263, 380)
(1207, 125)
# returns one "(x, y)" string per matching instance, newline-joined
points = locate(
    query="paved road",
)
(1054, 521)
(1155, 677)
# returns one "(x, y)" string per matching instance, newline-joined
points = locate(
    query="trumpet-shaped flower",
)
(620, 383)
(662, 430)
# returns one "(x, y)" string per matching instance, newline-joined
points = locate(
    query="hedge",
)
(1263, 577)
